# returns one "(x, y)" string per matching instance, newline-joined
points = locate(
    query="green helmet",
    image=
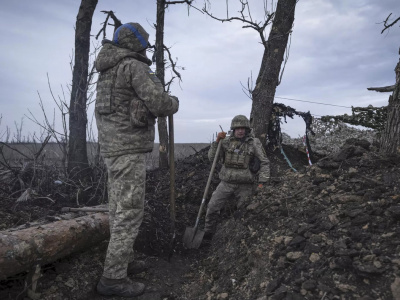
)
(240, 121)
(131, 36)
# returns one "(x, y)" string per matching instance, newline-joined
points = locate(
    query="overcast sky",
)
(336, 52)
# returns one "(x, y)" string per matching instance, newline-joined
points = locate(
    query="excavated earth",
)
(326, 231)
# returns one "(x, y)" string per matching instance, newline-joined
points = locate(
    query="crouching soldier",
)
(237, 153)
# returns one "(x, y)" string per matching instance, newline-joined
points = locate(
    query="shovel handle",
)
(172, 166)
(84, 209)
(203, 201)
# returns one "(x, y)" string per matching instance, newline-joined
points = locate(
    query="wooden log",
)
(23, 249)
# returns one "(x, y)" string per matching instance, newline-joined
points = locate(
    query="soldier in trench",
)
(129, 98)
(244, 159)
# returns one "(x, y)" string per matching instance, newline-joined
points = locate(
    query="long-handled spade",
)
(193, 236)
(172, 183)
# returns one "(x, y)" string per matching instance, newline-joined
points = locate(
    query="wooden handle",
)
(171, 166)
(203, 201)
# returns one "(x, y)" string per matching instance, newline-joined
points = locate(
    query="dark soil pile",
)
(330, 232)
(327, 231)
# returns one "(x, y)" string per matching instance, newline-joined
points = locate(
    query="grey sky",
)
(336, 52)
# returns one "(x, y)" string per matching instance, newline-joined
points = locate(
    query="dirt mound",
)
(326, 231)
(331, 232)
(191, 178)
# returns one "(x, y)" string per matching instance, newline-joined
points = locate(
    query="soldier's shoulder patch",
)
(153, 76)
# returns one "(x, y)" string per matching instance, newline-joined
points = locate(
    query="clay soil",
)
(326, 231)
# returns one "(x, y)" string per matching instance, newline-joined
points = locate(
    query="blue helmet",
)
(131, 36)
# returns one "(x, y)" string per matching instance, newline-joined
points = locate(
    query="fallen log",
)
(23, 249)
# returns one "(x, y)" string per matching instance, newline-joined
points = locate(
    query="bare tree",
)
(77, 148)
(390, 135)
(160, 71)
(270, 74)
(390, 138)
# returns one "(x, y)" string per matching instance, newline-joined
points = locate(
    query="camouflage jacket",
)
(237, 157)
(129, 98)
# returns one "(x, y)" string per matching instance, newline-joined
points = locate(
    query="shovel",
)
(193, 236)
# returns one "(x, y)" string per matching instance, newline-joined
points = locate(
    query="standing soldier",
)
(129, 98)
(237, 174)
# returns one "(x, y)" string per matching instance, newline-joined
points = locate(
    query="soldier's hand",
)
(259, 188)
(175, 103)
(263, 184)
(175, 98)
(221, 135)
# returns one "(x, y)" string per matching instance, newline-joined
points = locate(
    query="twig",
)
(48, 198)
(194, 149)
(386, 25)
(248, 20)
(43, 145)
(173, 64)
(189, 2)
(116, 24)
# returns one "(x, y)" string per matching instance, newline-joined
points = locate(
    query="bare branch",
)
(386, 25)
(42, 147)
(286, 57)
(247, 19)
(384, 89)
(249, 89)
(173, 64)
(117, 23)
(188, 2)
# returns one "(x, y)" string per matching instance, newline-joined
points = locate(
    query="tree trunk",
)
(160, 71)
(268, 77)
(77, 152)
(23, 249)
(390, 139)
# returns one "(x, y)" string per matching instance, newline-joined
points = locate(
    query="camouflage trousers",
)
(236, 194)
(126, 189)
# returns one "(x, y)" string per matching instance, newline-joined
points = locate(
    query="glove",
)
(262, 184)
(221, 135)
(175, 98)
(175, 103)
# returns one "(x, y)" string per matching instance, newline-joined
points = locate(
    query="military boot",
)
(120, 287)
(137, 266)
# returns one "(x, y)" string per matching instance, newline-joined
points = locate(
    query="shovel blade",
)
(192, 238)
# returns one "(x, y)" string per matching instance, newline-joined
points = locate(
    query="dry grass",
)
(16, 153)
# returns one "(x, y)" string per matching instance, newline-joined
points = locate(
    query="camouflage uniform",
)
(237, 180)
(129, 98)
